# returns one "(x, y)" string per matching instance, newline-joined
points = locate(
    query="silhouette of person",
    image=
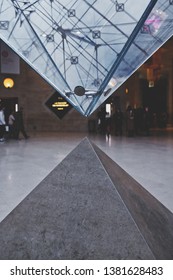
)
(118, 122)
(2, 124)
(130, 121)
(11, 123)
(19, 124)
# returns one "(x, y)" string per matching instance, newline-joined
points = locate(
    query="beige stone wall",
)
(32, 92)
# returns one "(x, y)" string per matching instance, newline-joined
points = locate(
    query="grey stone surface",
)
(74, 213)
(153, 219)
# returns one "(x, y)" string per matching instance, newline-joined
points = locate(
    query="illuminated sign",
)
(58, 105)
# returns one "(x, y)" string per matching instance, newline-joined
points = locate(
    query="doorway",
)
(155, 98)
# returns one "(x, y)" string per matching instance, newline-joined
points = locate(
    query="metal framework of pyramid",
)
(85, 49)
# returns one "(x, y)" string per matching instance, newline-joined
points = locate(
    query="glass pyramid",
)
(85, 49)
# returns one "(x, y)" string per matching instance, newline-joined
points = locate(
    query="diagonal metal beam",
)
(40, 42)
(121, 55)
(114, 25)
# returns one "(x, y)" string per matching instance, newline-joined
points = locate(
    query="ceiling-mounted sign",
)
(58, 105)
(10, 61)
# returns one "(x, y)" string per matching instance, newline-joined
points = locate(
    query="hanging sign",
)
(10, 61)
(58, 105)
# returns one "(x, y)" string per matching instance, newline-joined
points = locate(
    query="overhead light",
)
(16, 107)
(151, 84)
(112, 83)
(78, 32)
(8, 83)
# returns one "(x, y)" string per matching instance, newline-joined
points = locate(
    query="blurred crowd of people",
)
(11, 128)
(134, 121)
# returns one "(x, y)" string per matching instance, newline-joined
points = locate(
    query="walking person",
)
(2, 124)
(19, 124)
(130, 121)
(11, 123)
(146, 121)
(118, 122)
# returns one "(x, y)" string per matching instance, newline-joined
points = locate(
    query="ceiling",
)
(85, 49)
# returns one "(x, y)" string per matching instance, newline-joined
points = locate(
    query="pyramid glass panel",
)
(85, 49)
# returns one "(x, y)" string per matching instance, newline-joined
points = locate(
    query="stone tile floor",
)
(25, 163)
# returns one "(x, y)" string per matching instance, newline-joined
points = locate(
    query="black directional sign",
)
(58, 105)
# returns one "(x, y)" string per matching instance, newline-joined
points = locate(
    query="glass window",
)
(87, 44)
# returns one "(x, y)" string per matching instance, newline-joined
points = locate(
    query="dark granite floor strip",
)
(74, 213)
(154, 220)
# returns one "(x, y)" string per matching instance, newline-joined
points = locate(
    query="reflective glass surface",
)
(85, 49)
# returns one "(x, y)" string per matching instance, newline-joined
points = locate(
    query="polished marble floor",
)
(25, 163)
